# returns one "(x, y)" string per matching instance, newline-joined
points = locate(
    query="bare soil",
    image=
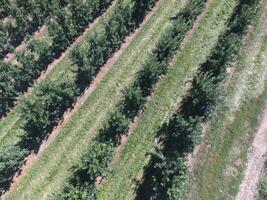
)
(255, 165)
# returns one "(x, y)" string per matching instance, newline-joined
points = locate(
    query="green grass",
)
(234, 122)
(10, 126)
(120, 184)
(50, 172)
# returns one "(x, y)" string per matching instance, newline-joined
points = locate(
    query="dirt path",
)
(255, 164)
(33, 157)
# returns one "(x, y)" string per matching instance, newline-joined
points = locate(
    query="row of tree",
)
(62, 29)
(25, 17)
(42, 111)
(99, 47)
(93, 165)
(167, 174)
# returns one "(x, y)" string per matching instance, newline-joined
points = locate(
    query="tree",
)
(132, 102)
(94, 163)
(150, 74)
(8, 83)
(11, 160)
(116, 125)
(43, 111)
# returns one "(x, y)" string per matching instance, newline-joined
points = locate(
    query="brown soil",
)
(33, 157)
(255, 165)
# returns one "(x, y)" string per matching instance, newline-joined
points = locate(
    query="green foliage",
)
(174, 177)
(62, 29)
(95, 52)
(167, 171)
(93, 164)
(116, 125)
(132, 102)
(180, 135)
(230, 43)
(41, 113)
(202, 97)
(150, 74)
(26, 17)
(4, 9)
(8, 92)
(89, 59)
(11, 160)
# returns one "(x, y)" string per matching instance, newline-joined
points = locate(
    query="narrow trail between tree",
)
(76, 41)
(134, 125)
(33, 157)
(55, 62)
(255, 164)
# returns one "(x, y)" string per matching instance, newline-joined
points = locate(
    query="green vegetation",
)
(93, 164)
(179, 136)
(157, 99)
(135, 156)
(25, 17)
(11, 160)
(63, 27)
(235, 118)
(133, 100)
(74, 138)
(43, 111)
(46, 107)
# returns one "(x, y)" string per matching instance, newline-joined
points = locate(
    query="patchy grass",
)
(50, 172)
(121, 183)
(10, 126)
(221, 168)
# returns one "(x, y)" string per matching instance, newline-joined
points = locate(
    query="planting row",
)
(166, 176)
(123, 180)
(63, 27)
(51, 99)
(236, 120)
(21, 18)
(74, 137)
(93, 166)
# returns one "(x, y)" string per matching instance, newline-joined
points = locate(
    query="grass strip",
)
(166, 176)
(52, 168)
(93, 166)
(129, 168)
(235, 119)
(43, 111)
